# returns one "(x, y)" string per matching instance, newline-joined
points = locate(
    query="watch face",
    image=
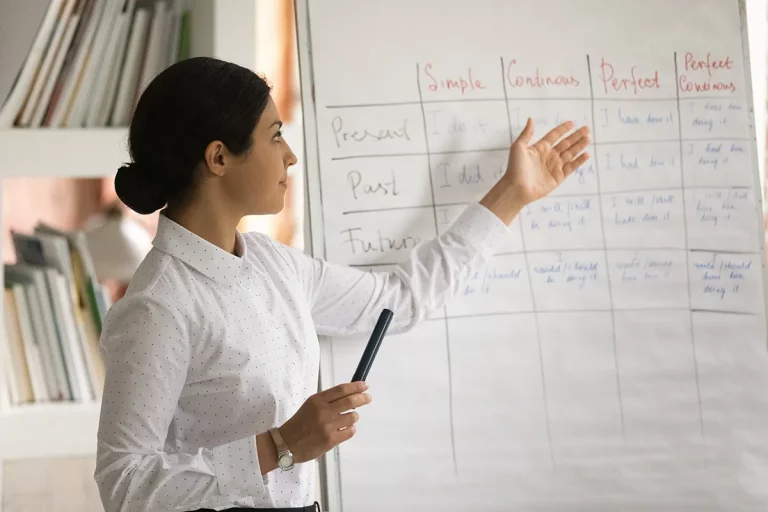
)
(285, 461)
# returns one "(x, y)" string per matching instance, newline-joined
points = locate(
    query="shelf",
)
(93, 153)
(49, 430)
(224, 29)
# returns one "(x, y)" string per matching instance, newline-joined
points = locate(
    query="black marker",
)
(369, 354)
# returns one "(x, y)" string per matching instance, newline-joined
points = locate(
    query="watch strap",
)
(277, 438)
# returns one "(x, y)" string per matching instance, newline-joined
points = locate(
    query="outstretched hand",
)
(535, 170)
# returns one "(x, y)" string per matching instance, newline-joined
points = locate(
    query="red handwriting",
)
(689, 85)
(710, 64)
(692, 81)
(537, 79)
(462, 84)
(634, 82)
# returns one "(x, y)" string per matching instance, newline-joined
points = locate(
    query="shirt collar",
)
(208, 259)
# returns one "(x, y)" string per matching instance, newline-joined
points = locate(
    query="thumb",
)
(527, 133)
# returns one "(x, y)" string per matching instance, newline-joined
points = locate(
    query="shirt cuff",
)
(237, 468)
(481, 229)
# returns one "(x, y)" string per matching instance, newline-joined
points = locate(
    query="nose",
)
(289, 158)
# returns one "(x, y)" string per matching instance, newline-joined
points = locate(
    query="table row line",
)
(405, 180)
(684, 100)
(687, 74)
(607, 280)
(486, 125)
(708, 220)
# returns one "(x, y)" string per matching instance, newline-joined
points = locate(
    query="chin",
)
(277, 207)
(272, 208)
(268, 205)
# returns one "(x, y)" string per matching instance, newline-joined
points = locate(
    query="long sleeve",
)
(146, 346)
(348, 301)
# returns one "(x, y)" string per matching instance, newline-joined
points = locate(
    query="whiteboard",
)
(612, 355)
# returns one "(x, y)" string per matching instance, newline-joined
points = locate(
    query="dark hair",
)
(186, 107)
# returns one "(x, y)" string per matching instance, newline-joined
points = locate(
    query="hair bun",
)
(139, 188)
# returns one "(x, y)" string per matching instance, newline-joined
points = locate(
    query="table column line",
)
(437, 234)
(530, 285)
(687, 250)
(605, 249)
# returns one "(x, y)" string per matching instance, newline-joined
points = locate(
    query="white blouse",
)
(208, 349)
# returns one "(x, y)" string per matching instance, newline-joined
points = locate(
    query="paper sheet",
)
(612, 356)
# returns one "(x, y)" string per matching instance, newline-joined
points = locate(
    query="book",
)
(54, 308)
(94, 66)
(41, 315)
(17, 363)
(100, 105)
(58, 255)
(129, 76)
(16, 40)
(84, 63)
(43, 75)
(69, 82)
(154, 57)
(22, 87)
(32, 345)
(56, 70)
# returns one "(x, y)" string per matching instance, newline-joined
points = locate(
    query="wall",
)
(63, 203)
(35, 485)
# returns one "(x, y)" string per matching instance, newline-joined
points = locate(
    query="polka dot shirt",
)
(208, 349)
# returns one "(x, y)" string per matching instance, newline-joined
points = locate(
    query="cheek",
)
(267, 166)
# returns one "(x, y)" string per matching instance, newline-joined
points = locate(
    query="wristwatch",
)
(284, 456)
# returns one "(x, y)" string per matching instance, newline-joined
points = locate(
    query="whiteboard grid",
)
(321, 240)
(599, 195)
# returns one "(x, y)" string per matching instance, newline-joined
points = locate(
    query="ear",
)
(216, 157)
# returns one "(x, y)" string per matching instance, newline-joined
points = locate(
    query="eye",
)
(278, 136)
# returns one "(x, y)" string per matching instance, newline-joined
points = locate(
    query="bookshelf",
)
(219, 28)
(45, 152)
(49, 430)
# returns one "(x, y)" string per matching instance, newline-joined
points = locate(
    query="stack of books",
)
(84, 63)
(53, 313)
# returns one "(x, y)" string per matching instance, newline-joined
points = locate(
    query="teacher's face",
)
(261, 176)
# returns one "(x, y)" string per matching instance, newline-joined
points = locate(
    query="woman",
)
(212, 355)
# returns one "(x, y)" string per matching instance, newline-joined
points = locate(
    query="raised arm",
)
(348, 301)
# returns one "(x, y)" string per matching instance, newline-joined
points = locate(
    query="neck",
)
(208, 220)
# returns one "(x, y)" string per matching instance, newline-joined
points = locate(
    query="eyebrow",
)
(278, 123)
